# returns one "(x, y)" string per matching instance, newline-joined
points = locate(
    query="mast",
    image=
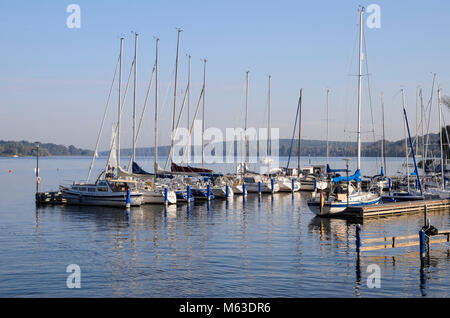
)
(119, 108)
(299, 129)
(203, 113)
(383, 154)
(406, 141)
(155, 152)
(133, 155)
(269, 151)
(246, 120)
(175, 85)
(423, 135)
(328, 96)
(188, 103)
(440, 136)
(361, 21)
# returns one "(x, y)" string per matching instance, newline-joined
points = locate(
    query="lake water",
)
(271, 246)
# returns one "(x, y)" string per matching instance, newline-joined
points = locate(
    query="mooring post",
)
(166, 193)
(188, 194)
(358, 238)
(315, 184)
(208, 192)
(390, 185)
(272, 185)
(38, 179)
(422, 244)
(227, 191)
(425, 220)
(293, 184)
(128, 200)
(259, 187)
(244, 190)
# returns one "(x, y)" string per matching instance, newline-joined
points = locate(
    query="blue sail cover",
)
(138, 170)
(329, 170)
(356, 176)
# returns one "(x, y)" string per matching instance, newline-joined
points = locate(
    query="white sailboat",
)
(338, 200)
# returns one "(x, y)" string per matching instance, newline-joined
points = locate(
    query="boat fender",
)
(430, 230)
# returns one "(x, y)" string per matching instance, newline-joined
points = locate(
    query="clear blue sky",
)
(54, 80)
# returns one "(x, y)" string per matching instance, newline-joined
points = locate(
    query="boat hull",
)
(118, 200)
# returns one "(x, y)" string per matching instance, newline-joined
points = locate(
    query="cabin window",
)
(75, 188)
(249, 180)
(102, 189)
(91, 189)
(82, 189)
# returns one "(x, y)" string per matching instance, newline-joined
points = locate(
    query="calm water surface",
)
(271, 246)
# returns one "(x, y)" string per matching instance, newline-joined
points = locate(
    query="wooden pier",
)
(393, 208)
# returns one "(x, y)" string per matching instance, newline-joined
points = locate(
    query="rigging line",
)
(180, 115)
(121, 110)
(429, 114)
(103, 120)
(347, 89)
(193, 121)
(293, 135)
(143, 109)
(369, 92)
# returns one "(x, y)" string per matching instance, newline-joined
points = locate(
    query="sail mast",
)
(406, 142)
(246, 120)
(188, 104)
(155, 151)
(383, 153)
(203, 113)
(299, 129)
(361, 18)
(269, 151)
(440, 136)
(119, 108)
(175, 85)
(328, 97)
(133, 155)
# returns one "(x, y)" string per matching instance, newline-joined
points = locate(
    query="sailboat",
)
(106, 191)
(153, 191)
(346, 195)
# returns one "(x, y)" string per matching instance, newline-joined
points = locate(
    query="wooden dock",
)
(54, 197)
(393, 208)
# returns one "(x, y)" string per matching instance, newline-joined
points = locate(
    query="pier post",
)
(259, 187)
(208, 192)
(425, 216)
(188, 194)
(227, 191)
(272, 186)
(293, 184)
(166, 192)
(128, 200)
(422, 244)
(390, 185)
(244, 190)
(315, 184)
(358, 239)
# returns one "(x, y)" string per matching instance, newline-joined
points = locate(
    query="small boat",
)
(253, 184)
(288, 185)
(339, 201)
(103, 193)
